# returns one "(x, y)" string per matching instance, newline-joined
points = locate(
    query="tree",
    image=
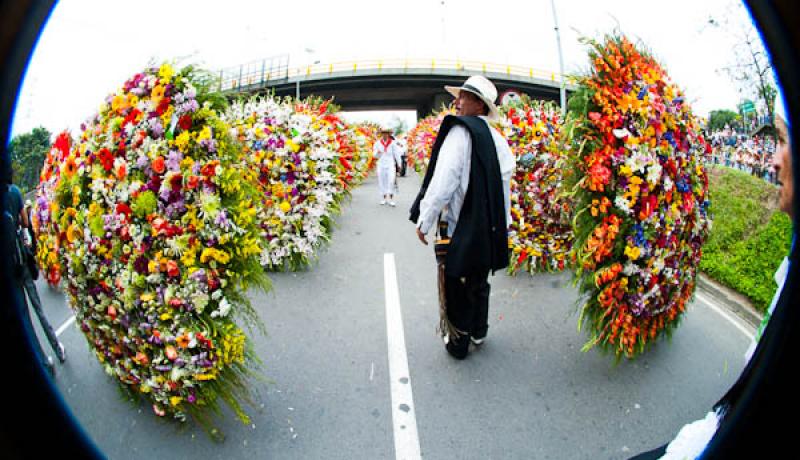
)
(750, 66)
(398, 125)
(28, 152)
(717, 119)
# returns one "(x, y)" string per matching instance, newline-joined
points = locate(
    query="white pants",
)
(386, 178)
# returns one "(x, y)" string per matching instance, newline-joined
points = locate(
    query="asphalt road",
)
(528, 392)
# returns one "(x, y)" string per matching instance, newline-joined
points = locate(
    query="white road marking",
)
(404, 420)
(721, 311)
(64, 326)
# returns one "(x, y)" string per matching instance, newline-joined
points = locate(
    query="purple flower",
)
(156, 128)
(222, 219)
(174, 160)
(142, 162)
(191, 398)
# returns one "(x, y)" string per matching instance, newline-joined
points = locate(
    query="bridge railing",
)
(264, 74)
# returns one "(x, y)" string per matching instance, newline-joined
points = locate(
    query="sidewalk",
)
(735, 302)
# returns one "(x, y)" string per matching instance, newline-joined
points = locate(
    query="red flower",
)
(172, 269)
(185, 122)
(106, 158)
(123, 208)
(62, 144)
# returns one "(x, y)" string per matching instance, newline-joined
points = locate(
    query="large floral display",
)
(641, 198)
(540, 235)
(420, 138)
(153, 231)
(304, 159)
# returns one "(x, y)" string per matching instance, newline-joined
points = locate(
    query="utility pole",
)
(560, 62)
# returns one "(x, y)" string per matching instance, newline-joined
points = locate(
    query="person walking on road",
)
(18, 222)
(388, 155)
(465, 195)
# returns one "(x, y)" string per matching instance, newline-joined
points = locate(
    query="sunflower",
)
(70, 166)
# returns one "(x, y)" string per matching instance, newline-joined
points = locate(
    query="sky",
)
(90, 47)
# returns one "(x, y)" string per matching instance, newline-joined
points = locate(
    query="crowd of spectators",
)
(751, 154)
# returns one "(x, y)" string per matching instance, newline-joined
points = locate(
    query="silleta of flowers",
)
(304, 159)
(641, 198)
(540, 235)
(153, 231)
(419, 140)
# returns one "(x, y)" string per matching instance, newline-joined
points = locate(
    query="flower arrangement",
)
(304, 161)
(540, 235)
(641, 198)
(155, 235)
(420, 139)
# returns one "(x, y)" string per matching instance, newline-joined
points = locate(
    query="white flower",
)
(622, 203)
(654, 173)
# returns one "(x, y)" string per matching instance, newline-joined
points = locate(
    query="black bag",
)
(19, 261)
(31, 259)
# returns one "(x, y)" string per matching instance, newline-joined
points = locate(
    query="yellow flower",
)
(216, 254)
(119, 103)
(294, 147)
(285, 206)
(632, 252)
(72, 233)
(76, 195)
(204, 134)
(157, 94)
(147, 296)
(182, 141)
(175, 400)
(165, 316)
(166, 72)
(205, 376)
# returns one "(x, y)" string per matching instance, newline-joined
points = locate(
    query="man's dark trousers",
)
(468, 307)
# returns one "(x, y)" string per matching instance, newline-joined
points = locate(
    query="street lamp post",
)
(309, 51)
(560, 62)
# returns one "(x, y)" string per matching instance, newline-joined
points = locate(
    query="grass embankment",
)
(749, 236)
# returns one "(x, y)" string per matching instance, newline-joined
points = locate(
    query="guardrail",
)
(268, 72)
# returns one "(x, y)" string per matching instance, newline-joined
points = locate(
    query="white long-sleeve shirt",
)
(387, 157)
(448, 186)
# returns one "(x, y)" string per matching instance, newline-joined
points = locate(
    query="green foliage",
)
(144, 204)
(28, 152)
(717, 119)
(749, 237)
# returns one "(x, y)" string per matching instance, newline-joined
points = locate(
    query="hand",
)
(421, 237)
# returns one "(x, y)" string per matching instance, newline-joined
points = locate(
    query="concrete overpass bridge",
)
(395, 84)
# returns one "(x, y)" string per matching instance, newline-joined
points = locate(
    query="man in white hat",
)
(466, 195)
(388, 155)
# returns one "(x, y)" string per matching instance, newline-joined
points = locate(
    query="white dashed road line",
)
(404, 420)
(64, 326)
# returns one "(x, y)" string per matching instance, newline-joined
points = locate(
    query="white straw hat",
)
(481, 87)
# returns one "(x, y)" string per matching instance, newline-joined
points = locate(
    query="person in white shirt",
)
(388, 154)
(470, 203)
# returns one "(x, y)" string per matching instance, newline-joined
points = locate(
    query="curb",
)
(732, 300)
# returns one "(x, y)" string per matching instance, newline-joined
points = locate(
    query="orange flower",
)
(70, 166)
(158, 165)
